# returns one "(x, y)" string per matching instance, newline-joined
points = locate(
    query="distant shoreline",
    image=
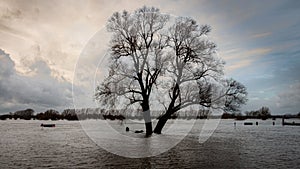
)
(122, 114)
(74, 115)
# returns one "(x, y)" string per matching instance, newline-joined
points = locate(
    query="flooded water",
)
(24, 144)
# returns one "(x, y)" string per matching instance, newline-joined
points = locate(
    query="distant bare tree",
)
(235, 95)
(24, 114)
(263, 112)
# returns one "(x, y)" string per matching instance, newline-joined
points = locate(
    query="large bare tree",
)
(137, 59)
(177, 58)
(196, 73)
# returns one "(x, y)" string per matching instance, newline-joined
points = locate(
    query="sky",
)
(43, 44)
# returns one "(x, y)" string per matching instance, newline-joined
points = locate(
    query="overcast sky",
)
(42, 42)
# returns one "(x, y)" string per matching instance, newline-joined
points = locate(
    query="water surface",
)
(24, 144)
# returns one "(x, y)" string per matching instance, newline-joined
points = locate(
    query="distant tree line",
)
(97, 113)
(67, 114)
(83, 114)
(262, 113)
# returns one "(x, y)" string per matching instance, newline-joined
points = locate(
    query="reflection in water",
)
(113, 137)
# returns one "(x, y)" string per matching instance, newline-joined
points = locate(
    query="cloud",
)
(237, 53)
(7, 14)
(6, 65)
(40, 91)
(238, 65)
(45, 39)
(241, 58)
(261, 35)
(289, 99)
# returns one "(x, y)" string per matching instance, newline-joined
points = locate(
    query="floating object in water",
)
(273, 123)
(289, 124)
(248, 123)
(138, 131)
(47, 125)
(256, 123)
(127, 128)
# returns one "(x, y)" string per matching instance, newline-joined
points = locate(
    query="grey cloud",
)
(6, 65)
(40, 67)
(289, 99)
(40, 91)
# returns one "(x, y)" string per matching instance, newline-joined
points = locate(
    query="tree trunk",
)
(161, 123)
(147, 119)
(164, 118)
(148, 129)
(148, 123)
